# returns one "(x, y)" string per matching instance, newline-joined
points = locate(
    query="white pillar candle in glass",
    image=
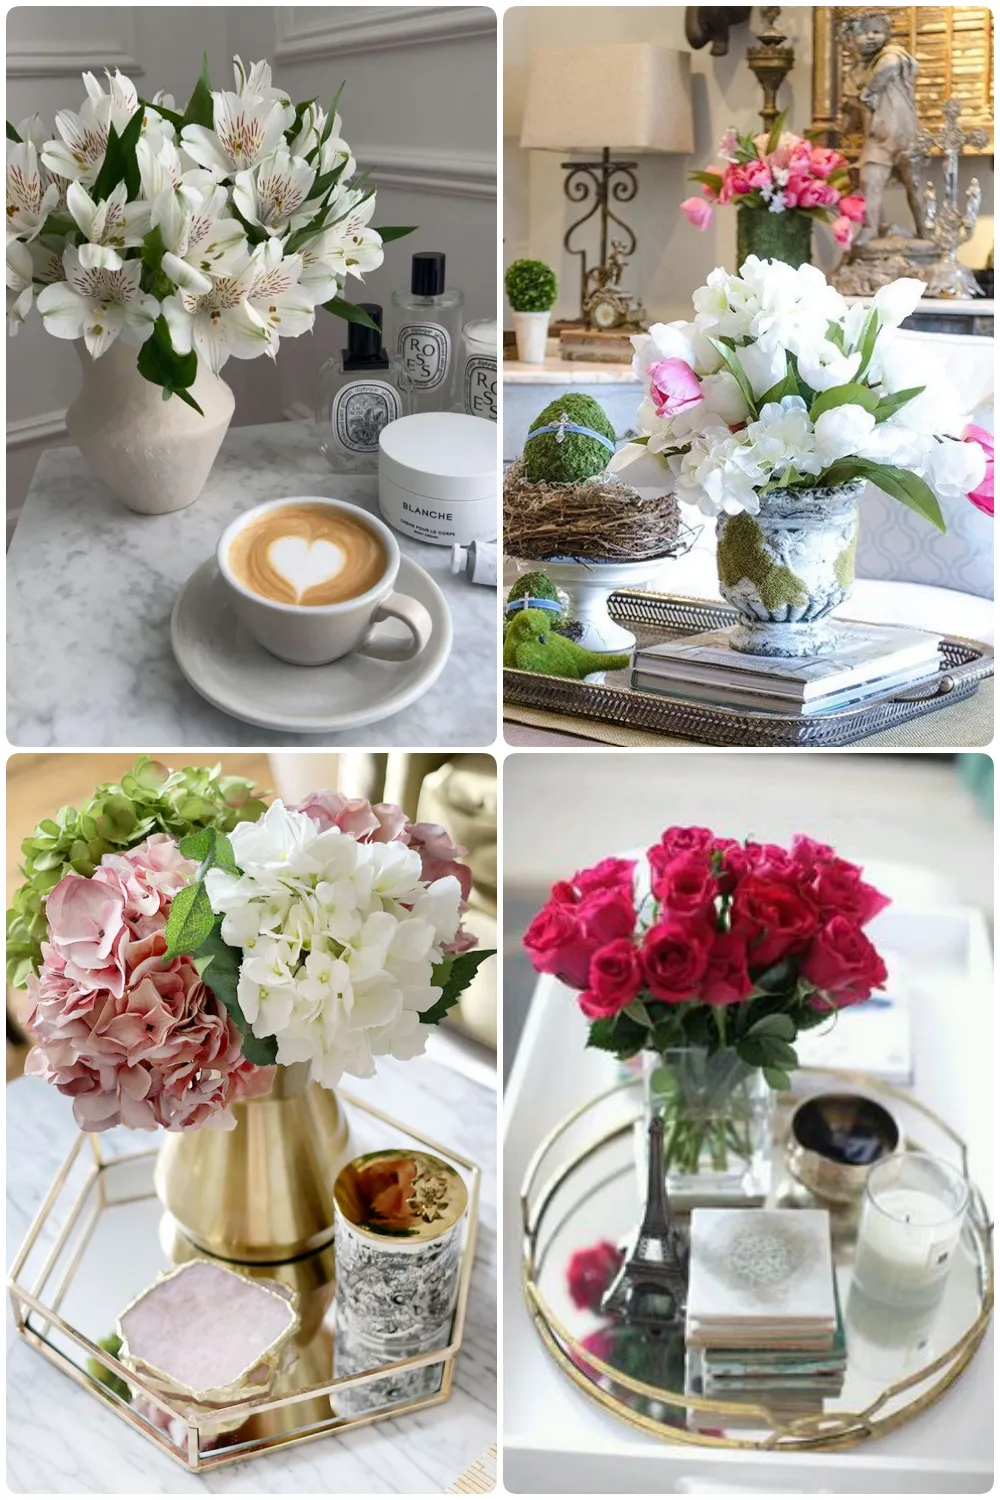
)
(914, 1208)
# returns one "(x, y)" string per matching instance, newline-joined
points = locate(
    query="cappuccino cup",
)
(311, 577)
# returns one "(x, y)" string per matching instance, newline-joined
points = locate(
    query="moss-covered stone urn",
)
(786, 569)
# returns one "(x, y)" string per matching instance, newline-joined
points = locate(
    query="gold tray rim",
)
(839, 1430)
(25, 1300)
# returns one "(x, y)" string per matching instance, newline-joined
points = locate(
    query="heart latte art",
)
(307, 554)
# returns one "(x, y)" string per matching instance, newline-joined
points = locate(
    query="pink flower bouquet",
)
(782, 173)
(178, 968)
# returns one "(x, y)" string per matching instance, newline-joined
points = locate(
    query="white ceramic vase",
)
(155, 455)
(531, 329)
(589, 586)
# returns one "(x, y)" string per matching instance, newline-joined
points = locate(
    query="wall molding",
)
(382, 27)
(23, 431)
(456, 174)
(71, 60)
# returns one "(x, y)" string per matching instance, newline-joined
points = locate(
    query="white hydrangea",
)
(339, 941)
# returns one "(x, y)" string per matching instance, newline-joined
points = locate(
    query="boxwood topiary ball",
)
(576, 456)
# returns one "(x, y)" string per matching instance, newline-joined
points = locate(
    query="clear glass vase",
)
(717, 1113)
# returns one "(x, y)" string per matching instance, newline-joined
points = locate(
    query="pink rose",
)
(697, 211)
(843, 963)
(673, 387)
(726, 980)
(838, 890)
(87, 929)
(852, 206)
(773, 917)
(674, 958)
(614, 979)
(555, 944)
(675, 843)
(606, 875)
(842, 231)
(589, 1274)
(982, 495)
(687, 888)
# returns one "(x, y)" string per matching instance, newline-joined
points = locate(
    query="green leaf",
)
(867, 342)
(161, 365)
(889, 405)
(186, 398)
(618, 1034)
(638, 1013)
(851, 394)
(12, 134)
(262, 1050)
(210, 848)
(219, 966)
(153, 248)
(788, 385)
(331, 115)
(775, 135)
(190, 922)
(777, 1078)
(710, 179)
(200, 110)
(170, 115)
(767, 1052)
(454, 974)
(112, 168)
(780, 1025)
(835, 335)
(348, 311)
(899, 483)
(395, 232)
(736, 369)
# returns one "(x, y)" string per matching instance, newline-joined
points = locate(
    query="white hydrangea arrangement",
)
(778, 383)
(206, 234)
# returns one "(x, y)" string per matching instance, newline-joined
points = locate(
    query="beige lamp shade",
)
(630, 96)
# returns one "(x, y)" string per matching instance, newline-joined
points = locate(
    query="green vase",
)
(786, 236)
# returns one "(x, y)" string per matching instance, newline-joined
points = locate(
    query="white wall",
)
(672, 258)
(419, 105)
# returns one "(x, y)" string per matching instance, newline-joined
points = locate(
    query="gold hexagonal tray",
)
(81, 1264)
(582, 1187)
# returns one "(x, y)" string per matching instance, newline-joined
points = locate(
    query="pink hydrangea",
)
(132, 1040)
(385, 823)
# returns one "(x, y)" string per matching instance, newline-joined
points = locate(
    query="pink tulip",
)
(982, 495)
(823, 161)
(852, 206)
(842, 229)
(674, 387)
(697, 211)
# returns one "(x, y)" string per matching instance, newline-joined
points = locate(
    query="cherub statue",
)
(880, 100)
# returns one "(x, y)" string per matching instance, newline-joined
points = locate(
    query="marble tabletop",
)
(61, 1441)
(91, 585)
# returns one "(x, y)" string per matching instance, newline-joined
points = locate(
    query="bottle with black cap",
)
(359, 392)
(426, 332)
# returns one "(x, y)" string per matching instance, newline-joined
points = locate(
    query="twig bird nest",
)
(599, 520)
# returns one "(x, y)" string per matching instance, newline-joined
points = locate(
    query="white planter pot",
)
(156, 455)
(589, 585)
(531, 329)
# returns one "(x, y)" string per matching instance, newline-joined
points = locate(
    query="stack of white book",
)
(763, 1319)
(869, 660)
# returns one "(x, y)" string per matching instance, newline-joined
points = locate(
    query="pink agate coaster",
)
(207, 1332)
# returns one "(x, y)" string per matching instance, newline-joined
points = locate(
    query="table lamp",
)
(627, 98)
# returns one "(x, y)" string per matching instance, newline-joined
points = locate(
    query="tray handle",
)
(940, 689)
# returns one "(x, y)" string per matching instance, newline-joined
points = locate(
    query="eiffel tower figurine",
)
(650, 1290)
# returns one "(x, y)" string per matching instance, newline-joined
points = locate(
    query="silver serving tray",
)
(658, 617)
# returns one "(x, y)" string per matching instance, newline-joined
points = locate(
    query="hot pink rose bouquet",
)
(180, 965)
(782, 173)
(730, 947)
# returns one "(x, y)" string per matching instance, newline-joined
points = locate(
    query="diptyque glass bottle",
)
(359, 392)
(426, 332)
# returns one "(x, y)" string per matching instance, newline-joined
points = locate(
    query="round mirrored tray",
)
(583, 1192)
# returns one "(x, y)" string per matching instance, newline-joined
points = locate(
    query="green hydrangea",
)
(576, 456)
(150, 799)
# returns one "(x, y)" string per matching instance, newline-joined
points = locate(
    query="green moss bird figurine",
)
(532, 645)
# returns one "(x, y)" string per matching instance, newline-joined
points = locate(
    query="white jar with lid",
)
(477, 376)
(437, 477)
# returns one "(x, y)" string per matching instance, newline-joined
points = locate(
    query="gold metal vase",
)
(262, 1193)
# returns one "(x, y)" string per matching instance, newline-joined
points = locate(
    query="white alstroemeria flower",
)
(159, 163)
(156, 128)
(842, 431)
(32, 131)
(108, 226)
(245, 131)
(335, 152)
(80, 152)
(898, 300)
(256, 84)
(201, 243)
(216, 325)
(101, 305)
(320, 279)
(353, 247)
(272, 194)
(278, 304)
(31, 196)
(20, 284)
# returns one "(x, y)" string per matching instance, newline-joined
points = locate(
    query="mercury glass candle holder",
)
(911, 1223)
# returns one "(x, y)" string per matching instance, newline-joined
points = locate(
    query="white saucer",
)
(222, 661)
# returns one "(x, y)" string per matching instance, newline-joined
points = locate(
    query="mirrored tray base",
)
(101, 1236)
(582, 1191)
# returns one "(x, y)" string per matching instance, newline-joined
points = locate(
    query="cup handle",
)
(416, 619)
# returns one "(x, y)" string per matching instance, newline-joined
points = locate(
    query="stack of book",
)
(763, 1319)
(869, 660)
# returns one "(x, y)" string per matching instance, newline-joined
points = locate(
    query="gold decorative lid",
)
(400, 1195)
